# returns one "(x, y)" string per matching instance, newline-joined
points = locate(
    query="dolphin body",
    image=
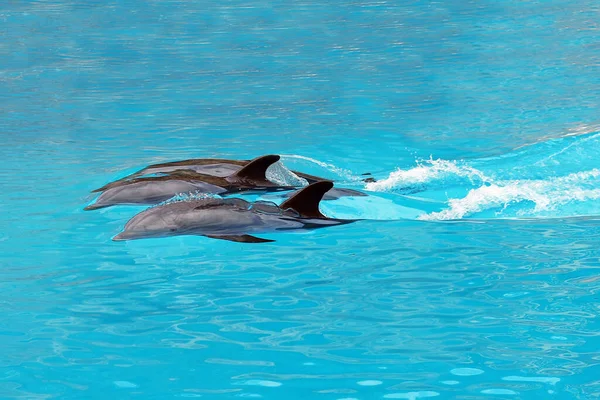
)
(213, 176)
(232, 219)
(207, 166)
(156, 189)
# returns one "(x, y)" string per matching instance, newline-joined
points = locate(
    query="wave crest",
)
(426, 172)
(543, 196)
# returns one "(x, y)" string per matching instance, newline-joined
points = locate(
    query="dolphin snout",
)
(122, 236)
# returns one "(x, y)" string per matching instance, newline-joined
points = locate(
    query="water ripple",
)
(95, 90)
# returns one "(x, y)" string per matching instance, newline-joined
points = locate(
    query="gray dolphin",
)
(232, 219)
(208, 166)
(155, 189)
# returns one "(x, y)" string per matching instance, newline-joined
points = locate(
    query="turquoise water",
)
(474, 276)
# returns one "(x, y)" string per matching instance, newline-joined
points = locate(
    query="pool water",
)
(474, 273)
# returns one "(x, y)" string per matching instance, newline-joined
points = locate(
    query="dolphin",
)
(156, 189)
(214, 179)
(232, 219)
(208, 166)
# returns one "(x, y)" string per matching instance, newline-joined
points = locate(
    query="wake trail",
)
(554, 178)
(341, 172)
(544, 197)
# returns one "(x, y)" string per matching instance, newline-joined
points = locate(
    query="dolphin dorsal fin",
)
(257, 168)
(306, 201)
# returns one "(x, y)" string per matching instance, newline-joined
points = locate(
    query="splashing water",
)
(423, 173)
(546, 196)
(189, 197)
(555, 178)
(279, 174)
(341, 172)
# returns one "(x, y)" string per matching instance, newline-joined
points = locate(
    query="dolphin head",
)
(147, 224)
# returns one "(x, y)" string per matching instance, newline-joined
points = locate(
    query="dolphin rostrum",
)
(213, 176)
(232, 219)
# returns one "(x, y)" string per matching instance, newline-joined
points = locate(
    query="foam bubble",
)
(466, 371)
(183, 197)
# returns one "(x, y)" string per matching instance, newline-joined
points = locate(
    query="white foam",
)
(545, 194)
(425, 171)
(183, 197)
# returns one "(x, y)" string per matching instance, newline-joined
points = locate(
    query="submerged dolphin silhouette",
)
(232, 219)
(217, 178)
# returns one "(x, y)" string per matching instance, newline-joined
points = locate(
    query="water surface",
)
(474, 276)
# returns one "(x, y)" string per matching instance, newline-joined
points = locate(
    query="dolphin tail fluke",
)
(306, 201)
(256, 169)
(240, 238)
